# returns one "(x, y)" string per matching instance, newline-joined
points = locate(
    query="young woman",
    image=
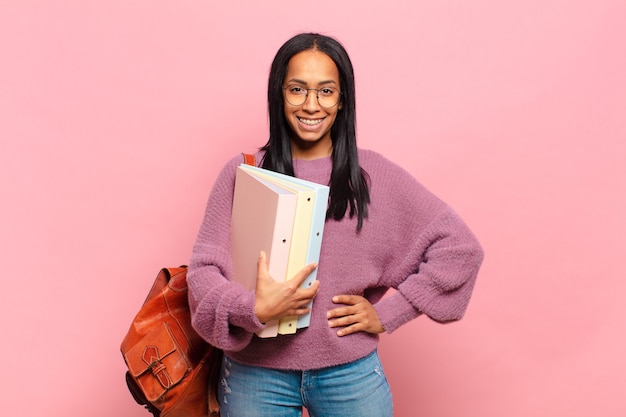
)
(383, 230)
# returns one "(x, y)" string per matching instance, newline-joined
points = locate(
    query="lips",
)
(310, 122)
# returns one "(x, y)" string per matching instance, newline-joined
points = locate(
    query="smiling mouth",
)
(310, 122)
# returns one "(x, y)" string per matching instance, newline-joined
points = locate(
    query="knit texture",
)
(411, 241)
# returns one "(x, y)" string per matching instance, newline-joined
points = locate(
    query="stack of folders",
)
(283, 216)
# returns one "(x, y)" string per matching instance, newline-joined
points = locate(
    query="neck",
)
(308, 151)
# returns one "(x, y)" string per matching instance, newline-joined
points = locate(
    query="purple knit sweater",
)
(411, 241)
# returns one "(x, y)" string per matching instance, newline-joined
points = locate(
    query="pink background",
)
(115, 117)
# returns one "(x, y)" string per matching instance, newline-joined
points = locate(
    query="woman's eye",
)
(297, 90)
(327, 91)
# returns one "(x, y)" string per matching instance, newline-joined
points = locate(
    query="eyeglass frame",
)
(316, 95)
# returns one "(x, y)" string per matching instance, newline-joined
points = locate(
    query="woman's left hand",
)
(358, 315)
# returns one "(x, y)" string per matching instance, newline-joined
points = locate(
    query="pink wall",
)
(115, 117)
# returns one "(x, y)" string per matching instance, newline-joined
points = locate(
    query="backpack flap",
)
(156, 362)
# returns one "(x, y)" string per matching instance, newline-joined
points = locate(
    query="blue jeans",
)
(358, 388)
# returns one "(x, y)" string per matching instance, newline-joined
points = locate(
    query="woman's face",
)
(310, 123)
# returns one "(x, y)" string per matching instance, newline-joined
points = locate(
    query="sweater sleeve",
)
(447, 258)
(222, 311)
(425, 250)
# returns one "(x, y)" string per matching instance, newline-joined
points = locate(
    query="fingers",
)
(348, 325)
(357, 314)
(311, 291)
(302, 275)
(296, 281)
(349, 300)
(298, 311)
(304, 294)
(275, 299)
(261, 265)
(342, 317)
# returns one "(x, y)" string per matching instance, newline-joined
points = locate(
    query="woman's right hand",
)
(275, 300)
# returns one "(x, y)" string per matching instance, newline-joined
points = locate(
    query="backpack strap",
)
(248, 159)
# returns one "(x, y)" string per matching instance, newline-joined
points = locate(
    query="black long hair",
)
(348, 181)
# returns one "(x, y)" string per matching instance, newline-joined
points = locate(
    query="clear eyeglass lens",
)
(326, 96)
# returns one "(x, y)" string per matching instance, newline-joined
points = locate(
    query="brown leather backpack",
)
(172, 371)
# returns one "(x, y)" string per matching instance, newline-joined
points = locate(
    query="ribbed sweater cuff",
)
(395, 310)
(245, 316)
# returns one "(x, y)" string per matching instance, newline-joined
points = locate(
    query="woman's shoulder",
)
(225, 178)
(375, 163)
(389, 178)
(370, 155)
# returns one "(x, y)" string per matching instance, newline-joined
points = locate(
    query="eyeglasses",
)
(327, 97)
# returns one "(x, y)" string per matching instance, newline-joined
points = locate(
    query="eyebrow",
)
(295, 80)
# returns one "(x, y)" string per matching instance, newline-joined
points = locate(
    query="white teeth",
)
(311, 122)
